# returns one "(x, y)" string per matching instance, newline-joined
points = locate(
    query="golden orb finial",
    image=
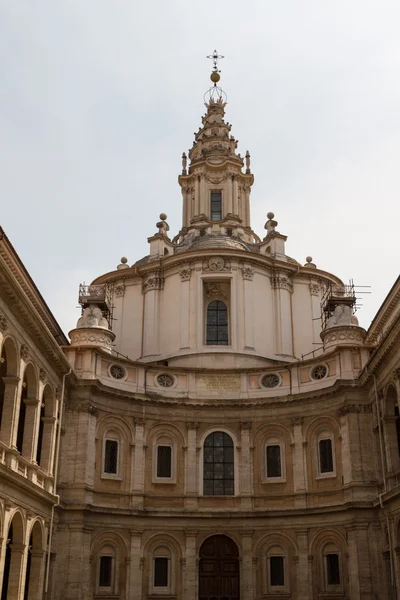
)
(215, 77)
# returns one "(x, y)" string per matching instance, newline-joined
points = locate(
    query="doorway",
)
(219, 569)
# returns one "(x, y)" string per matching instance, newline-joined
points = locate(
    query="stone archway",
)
(219, 569)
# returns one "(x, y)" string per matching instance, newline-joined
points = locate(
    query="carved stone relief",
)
(282, 282)
(216, 263)
(153, 281)
(185, 274)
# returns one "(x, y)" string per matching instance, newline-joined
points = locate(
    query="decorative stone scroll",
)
(153, 281)
(354, 409)
(218, 383)
(314, 289)
(3, 323)
(119, 290)
(24, 352)
(247, 273)
(282, 282)
(42, 375)
(185, 274)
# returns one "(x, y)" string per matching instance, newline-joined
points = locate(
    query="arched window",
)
(332, 568)
(277, 576)
(106, 570)
(326, 455)
(275, 460)
(217, 323)
(218, 465)
(161, 573)
(164, 459)
(111, 455)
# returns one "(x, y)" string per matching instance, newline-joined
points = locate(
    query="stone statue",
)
(92, 317)
(162, 225)
(184, 164)
(247, 161)
(270, 225)
(342, 315)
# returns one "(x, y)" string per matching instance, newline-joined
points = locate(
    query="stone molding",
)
(82, 407)
(185, 274)
(354, 409)
(246, 425)
(3, 323)
(153, 281)
(24, 352)
(92, 336)
(348, 335)
(192, 425)
(42, 375)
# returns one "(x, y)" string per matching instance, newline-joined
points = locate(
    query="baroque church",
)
(218, 427)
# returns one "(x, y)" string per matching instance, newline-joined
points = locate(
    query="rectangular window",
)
(111, 457)
(276, 571)
(325, 456)
(274, 468)
(164, 462)
(161, 572)
(105, 571)
(216, 206)
(332, 568)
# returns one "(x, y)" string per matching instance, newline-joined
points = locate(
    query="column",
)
(191, 474)
(36, 578)
(184, 207)
(246, 575)
(304, 591)
(197, 196)
(282, 284)
(134, 579)
(185, 274)
(30, 428)
(245, 467)
(9, 424)
(299, 460)
(203, 200)
(190, 570)
(16, 579)
(247, 273)
(78, 565)
(235, 196)
(359, 562)
(48, 444)
(152, 286)
(228, 208)
(138, 465)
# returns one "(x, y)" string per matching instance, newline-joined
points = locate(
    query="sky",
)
(99, 99)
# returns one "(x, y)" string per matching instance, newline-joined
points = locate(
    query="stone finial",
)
(309, 262)
(184, 163)
(92, 317)
(162, 225)
(342, 315)
(247, 162)
(270, 224)
(124, 263)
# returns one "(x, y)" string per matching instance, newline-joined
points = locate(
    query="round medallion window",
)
(117, 372)
(165, 380)
(270, 381)
(319, 372)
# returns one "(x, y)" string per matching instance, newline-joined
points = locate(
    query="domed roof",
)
(203, 242)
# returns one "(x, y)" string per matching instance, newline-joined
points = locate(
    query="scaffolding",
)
(101, 295)
(335, 295)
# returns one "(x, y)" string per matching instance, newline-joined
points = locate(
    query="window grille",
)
(325, 456)
(218, 465)
(105, 571)
(164, 455)
(276, 570)
(111, 457)
(332, 568)
(216, 206)
(217, 323)
(161, 572)
(274, 467)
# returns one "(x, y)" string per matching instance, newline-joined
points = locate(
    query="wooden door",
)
(219, 569)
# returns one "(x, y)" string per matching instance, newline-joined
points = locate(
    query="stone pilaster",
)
(359, 563)
(248, 583)
(138, 465)
(245, 466)
(282, 285)
(16, 579)
(9, 422)
(36, 580)
(191, 475)
(185, 306)
(152, 286)
(78, 565)
(135, 575)
(190, 572)
(299, 457)
(304, 590)
(31, 428)
(48, 444)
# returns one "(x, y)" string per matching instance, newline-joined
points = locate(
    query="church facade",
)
(219, 426)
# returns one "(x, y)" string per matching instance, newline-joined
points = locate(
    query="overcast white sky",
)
(99, 98)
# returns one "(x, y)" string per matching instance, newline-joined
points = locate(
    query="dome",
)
(204, 242)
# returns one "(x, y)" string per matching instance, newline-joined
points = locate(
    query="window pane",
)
(274, 461)
(164, 461)
(218, 465)
(276, 570)
(325, 456)
(217, 323)
(105, 571)
(111, 456)
(332, 566)
(161, 572)
(216, 206)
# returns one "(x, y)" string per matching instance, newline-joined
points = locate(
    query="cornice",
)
(384, 313)
(381, 351)
(27, 315)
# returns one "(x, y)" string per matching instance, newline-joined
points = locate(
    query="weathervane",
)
(215, 93)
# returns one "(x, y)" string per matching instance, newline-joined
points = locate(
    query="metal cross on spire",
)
(215, 57)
